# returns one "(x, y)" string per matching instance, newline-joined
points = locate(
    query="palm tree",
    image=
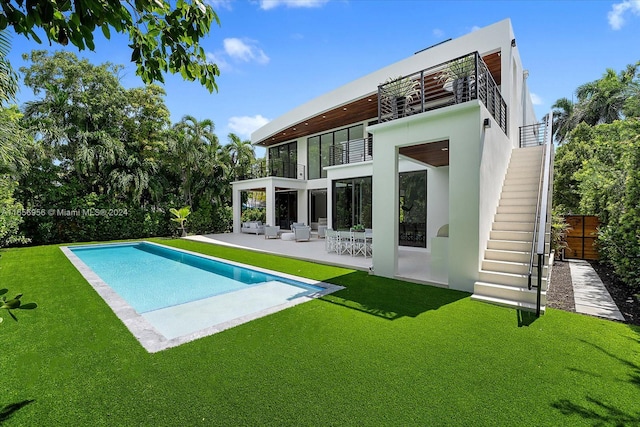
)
(188, 145)
(8, 77)
(241, 154)
(603, 100)
(563, 119)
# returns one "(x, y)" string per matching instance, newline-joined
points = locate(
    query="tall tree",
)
(562, 119)
(192, 145)
(8, 77)
(80, 115)
(165, 35)
(612, 97)
(241, 155)
(603, 100)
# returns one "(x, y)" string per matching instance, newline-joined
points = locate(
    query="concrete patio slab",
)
(414, 264)
(590, 295)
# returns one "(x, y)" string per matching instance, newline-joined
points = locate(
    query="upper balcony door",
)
(283, 160)
(328, 149)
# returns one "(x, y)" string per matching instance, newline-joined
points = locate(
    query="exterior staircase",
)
(504, 275)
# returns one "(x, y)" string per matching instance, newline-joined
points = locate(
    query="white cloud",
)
(475, 28)
(272, 4)
(219, 61)
(243, 126)
(220, 4)
(244, 50)
(535, 99)
(438, 32)
(618, 10)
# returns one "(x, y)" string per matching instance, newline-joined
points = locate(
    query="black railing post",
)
(539, 293)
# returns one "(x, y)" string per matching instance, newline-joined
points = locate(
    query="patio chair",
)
(296, 224)
(302, 233)
(331, 240)
(358, 243)
(271, 231)
(343, 244)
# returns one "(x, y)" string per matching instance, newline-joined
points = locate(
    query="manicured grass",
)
(380, 352)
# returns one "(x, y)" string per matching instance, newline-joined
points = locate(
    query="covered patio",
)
(414, 265)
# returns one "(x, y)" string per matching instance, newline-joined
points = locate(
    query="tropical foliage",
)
(88, 159)
(597, 166)
(613, 97)
(164, 35)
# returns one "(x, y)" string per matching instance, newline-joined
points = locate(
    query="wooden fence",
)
(581, 237)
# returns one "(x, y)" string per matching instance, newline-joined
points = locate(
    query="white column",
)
(385, 207)
(270, 191)
(236, 206)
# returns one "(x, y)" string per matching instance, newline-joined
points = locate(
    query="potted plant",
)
(181, 217)
(399, 89)
(457, 76)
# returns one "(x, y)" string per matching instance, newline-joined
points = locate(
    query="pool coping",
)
(146, 334)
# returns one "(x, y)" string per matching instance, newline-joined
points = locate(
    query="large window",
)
(352, 203)
(413, 209)
(283, 160)
(321, 148)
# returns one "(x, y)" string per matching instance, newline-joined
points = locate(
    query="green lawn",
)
(380, 352)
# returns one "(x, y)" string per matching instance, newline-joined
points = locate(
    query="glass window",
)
(326, 141)
(313, 161)
(413, 209)
(352, 203)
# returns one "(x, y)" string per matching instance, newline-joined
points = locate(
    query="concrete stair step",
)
(509, 245)
(519, 202)
(508, 303)
(516, 209)
(519, 194)
(508, 256)
(512, 226)
(509, 279)
(521, 178)
(509, 266)
(513, 293)
(507, 187)
(520, 236)
(515, 217)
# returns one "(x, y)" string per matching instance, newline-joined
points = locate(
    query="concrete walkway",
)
(589, 293)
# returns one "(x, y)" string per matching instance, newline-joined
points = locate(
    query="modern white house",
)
(432, 154)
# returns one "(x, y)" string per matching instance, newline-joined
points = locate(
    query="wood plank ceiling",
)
(431, 153)
(360, 110)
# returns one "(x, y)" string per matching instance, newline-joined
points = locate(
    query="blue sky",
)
(275, 55)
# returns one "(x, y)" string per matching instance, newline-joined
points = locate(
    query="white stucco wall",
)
(461, 125)
(485, 40)
(495, 154)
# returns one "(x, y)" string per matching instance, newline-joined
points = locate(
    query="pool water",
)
(152, 277)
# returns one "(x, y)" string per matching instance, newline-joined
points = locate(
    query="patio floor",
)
(414, 264)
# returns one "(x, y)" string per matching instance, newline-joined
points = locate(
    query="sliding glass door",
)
(352, 203)
(413, 209)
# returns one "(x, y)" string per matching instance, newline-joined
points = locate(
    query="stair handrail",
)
(538, 240)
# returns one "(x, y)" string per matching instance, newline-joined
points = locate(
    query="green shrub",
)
(254, 214)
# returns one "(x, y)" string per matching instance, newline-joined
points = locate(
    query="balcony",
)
(354, 151)
(276, 168)
(457, 81)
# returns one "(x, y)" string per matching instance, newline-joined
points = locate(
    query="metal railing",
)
(354, 151)
(275, 168)
(539, 241)
(459, 80)
(532, 135)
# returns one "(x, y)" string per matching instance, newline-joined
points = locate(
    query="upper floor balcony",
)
(275, 168)
(453, 82)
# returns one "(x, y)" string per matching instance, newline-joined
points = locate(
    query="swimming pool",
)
(167, 296)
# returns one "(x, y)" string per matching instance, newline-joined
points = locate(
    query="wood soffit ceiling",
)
(356, 111)
(431, 153)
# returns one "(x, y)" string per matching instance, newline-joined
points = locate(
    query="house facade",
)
(418, 151)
